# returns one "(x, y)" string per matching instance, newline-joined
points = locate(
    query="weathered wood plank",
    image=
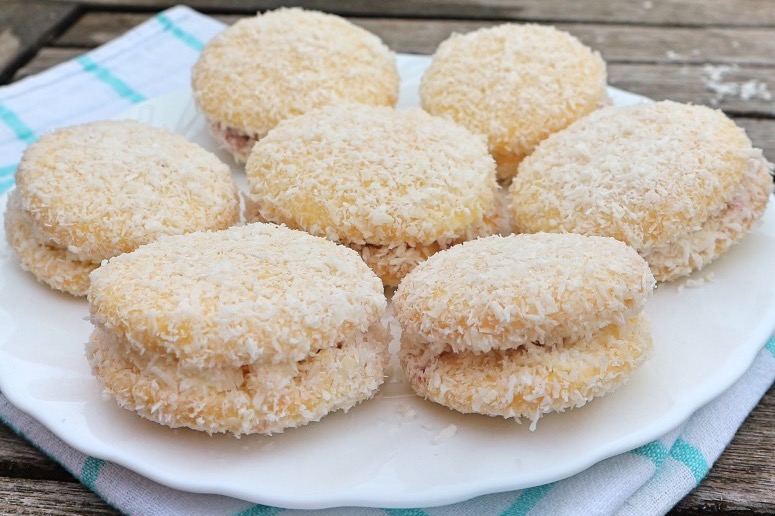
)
(749, 46)
(19, 459)
(749, 90)
(743, 479)
(662, 12)
(45, 59)
(98, 27)
(50, 498)
(10, 46)
(616, 43)
(25, 27)
(762, 134)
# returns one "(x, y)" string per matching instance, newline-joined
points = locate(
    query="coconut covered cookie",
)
(89, 192)
(253, 329)
(283, 63)
(677, 182)
(523, 325)
(395, 185)
(515, 84)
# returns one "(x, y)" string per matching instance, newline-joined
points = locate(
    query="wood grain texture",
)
(762, 134)
(45, 59)
(657, 12)
(31, 483)
(617, 43)
(50, 498)
(19, 459)
(10, 46)
(692, 83)
(743, 479)
(25, 26)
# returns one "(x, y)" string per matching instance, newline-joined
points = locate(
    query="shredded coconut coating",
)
(283, 63)
(360, 174)
(392, 262)
(255, 293)
(50, 264)
(105, 188)
(648, 175)
(529, 381)
(256, 398)
(516, 84)
(698, 248)
(506, 292)
(642, 174)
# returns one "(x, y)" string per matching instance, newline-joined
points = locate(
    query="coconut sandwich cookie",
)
(524, 325)
(253, 329)
(395, 185)
(283, 63)
(516, 84)
(679, 183)
(89, 192)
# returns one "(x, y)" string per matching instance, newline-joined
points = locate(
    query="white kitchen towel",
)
(155, 58)
(148, 61)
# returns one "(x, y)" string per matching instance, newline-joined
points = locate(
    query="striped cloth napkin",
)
(155, 58)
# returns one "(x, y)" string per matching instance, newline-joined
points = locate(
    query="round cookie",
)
(679, 183)
(104, 188)
(61, 270)
(283, 63)
(252, 329)
(523, 325)
(397, 186)
(514, 83)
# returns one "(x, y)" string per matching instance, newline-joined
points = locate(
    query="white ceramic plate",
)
(377, 454)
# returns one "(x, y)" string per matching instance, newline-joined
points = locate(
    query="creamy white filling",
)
(237, 142)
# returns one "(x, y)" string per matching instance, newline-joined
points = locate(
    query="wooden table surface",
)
(702, 51)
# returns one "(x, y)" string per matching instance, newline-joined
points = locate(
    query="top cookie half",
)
(506, 292)
(105, 188)
(247, 294)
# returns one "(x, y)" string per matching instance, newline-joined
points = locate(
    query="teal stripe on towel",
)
(106, 76)
(771, 345)
(690, 457)
(16, 125)
(7, 170)
(405, 512)
(259, 510)
(655, 450)
(528, 499)
(90, 472)
(179, 33)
